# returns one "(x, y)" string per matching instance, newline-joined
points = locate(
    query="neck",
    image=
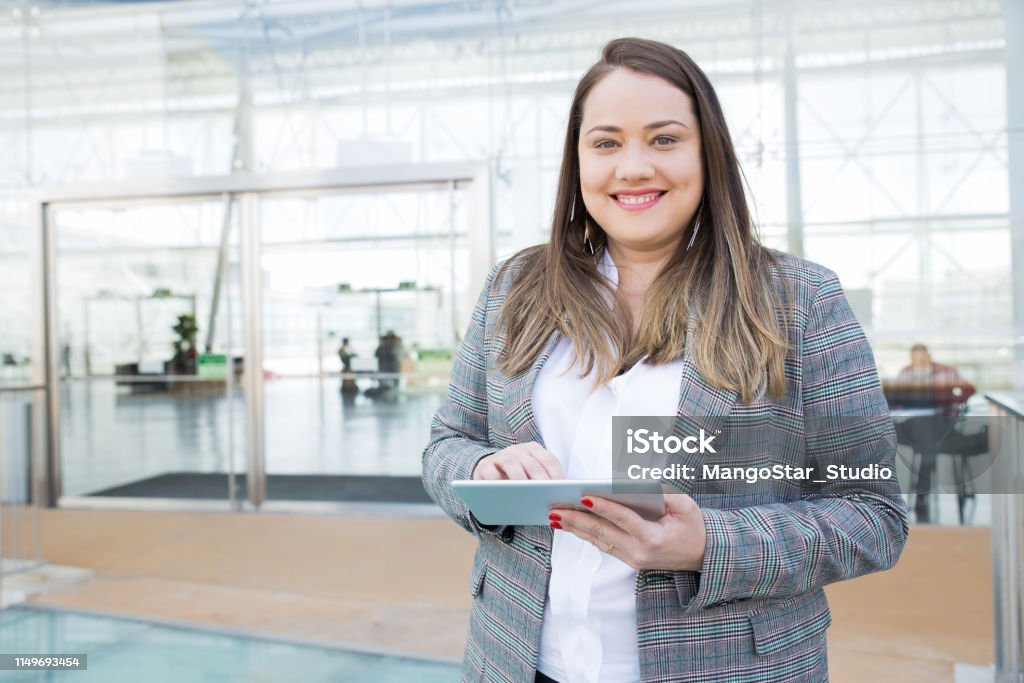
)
(638, 269)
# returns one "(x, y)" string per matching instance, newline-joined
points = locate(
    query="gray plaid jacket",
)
(756, 612)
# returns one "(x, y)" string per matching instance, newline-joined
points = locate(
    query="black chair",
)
(932, 436)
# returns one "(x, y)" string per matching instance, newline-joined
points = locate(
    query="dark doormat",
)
(305, 487)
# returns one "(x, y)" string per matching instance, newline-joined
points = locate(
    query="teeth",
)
(637, 199)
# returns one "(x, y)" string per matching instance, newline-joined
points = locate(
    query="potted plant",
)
(185, 354)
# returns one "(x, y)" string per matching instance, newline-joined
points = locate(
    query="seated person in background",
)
(927, 384)
(940, 386)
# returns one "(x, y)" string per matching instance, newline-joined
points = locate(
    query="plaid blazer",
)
(756, 612)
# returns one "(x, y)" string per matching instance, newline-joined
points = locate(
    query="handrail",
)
(1012, 403)
(1007, 521)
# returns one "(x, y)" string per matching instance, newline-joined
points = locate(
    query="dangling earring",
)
(586, 237)
(586, 225)
(696, 225)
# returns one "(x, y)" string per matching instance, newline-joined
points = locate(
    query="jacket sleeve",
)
(837, 530)
(458, 431)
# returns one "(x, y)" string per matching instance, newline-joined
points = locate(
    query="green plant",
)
(185, 344)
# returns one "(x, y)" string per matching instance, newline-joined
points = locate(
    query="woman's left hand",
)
(674, 541)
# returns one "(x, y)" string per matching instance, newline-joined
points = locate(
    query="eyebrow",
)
(649, 126)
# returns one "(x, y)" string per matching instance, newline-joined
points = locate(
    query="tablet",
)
(528, 501)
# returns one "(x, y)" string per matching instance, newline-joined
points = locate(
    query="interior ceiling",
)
(203, 46)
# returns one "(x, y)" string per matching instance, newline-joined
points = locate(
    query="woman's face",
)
(640, 162)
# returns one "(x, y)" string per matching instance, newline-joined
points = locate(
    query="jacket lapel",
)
(519, 396)
(698, 400)
(705, 405)
(701, 406)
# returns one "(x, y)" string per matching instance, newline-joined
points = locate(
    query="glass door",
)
(363, 297)
(149, 325)
(238, 339)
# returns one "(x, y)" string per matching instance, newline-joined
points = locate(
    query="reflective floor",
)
(127, 651)
(112, 437)
(944, 511)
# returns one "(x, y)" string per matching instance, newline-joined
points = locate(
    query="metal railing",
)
(19, 509)
(1007, 527)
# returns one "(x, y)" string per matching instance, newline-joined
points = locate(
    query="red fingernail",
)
(586, 501)
(556, 525)
(555, 517)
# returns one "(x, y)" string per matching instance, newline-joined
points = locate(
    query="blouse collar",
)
(607, 268)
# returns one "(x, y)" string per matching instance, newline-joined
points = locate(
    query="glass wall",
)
(912, 162)
(22, 403)
(875, 137)
(16, 292)
(899, 118)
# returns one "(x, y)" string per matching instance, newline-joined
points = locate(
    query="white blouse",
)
(588, 634)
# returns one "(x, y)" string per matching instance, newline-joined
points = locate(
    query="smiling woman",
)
(648, 160)
(654, 297)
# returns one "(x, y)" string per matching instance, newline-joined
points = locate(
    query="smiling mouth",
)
(634, 202)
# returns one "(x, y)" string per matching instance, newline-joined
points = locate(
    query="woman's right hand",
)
(520, 461)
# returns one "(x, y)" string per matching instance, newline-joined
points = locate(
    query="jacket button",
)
(507, 534)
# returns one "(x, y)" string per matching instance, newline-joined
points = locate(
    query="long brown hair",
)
(738, 341)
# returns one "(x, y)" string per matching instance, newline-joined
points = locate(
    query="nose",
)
(634, 164)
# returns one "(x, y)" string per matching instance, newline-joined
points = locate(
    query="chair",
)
(937, 435)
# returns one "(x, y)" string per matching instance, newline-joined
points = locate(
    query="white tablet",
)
(528, 501)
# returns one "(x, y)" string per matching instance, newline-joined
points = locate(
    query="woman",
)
(654, 297)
